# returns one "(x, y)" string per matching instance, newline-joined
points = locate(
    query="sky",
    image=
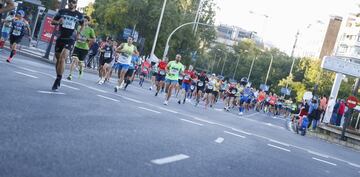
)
(286, 17)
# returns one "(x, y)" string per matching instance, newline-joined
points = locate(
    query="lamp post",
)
(237, 64)
(251, 67)
(222, 69)
(158, 29)
(270, 65)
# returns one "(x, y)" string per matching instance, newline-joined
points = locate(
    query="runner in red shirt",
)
(186, 84)
(145, 68)
(160, 77)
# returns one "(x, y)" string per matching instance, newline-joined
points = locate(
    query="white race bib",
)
(174, 71)
(16, 32)
(200, 84)
(124, 59)
(69, 23)
(187, 77)
(233, 91)
(210, 87)
(107, 54)
(162, 72)
(145, 70)
(192, 87)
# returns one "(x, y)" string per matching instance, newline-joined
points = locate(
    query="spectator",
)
(323, 105)
(340, 113)
(313, 107)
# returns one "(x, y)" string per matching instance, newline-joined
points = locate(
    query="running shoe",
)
(81, 73)
(69, 77)
(156, 94)
(56, 85)
(116, 88)
(165, 102)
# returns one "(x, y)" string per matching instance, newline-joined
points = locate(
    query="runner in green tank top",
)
(174, 69)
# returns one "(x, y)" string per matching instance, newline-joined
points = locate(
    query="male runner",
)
(68, 20)
(174, 69)
(185, 87)
(7, 24)
(87, 35)
(160, 78)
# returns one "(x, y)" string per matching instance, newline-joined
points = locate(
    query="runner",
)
(245, 100)
(7, 24)
(215, 92)
(230, 96)
(19, 26)
(174, 69)
(185, 87)
(160, 78)
(209, 90)
(106, 57)
(202, 81)
(145, 68)
(131, 71)
(153, 73)
(68, 19)
(126, 51)
(86, 37)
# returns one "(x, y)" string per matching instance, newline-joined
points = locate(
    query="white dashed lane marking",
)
(189, 121)
(170, 159)
(51, 93)
(146, 109)
(237, 135)
(277, 147)
(28, 75)
(108, 98)
(70, 87)
(324, 161)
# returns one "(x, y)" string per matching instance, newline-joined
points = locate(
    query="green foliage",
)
(113, 16)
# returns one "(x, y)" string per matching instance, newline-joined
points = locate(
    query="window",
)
(343, 49)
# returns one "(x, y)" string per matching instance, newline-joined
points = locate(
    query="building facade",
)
(232, 35)
(348, 43)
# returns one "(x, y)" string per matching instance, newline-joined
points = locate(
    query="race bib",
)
(69, 23)
(187, 77)
(210, 87)
(145, 70)
(82, 38)
(200, 84)
(125, 59)
(107, 54)
(192, 87)
(162, 72)
(233, 91)
(16, 32)
(174, 71)
(181, 77)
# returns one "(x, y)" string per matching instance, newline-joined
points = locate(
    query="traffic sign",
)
(352, 102)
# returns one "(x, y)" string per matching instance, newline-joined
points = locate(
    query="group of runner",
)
(76, 37)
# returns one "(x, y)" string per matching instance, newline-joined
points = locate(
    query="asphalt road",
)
(87, 130)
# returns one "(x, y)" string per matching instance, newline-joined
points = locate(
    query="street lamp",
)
(222, 69)
(237, 63)
(266, 17)
(251, 67)
(158, 29)
(270, 65)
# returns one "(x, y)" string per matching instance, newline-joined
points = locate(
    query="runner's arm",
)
(118, 50)
(8, 7)
(57, 20)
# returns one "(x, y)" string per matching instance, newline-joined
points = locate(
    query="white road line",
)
(28, 75)
(279, 147)
(203, 120)
(170, 159)
(272, 125)
(354, 165)
(324, 161)
(244, 132)
(168, 110)
(234, 134)
(219, 140)
(189, 121)
(92, 88)
(217, 109)
(27, 69)
(157, 112)
(108, 98)
(67, 86)
(318, 154)
(130, 99)
(52, 93)
(279, 142)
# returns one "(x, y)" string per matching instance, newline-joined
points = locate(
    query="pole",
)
(177, 28)
(196, 17)
(222, 70)
(237, 63)
(292, 56)
(47, 53)
(36, 20)
(347, 116)
(268, 73)
(213, 63)
(158, 29)
(251, 67)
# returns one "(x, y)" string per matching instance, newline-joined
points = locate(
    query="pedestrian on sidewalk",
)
(340, 112)
(313, 111)
(323, 105)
